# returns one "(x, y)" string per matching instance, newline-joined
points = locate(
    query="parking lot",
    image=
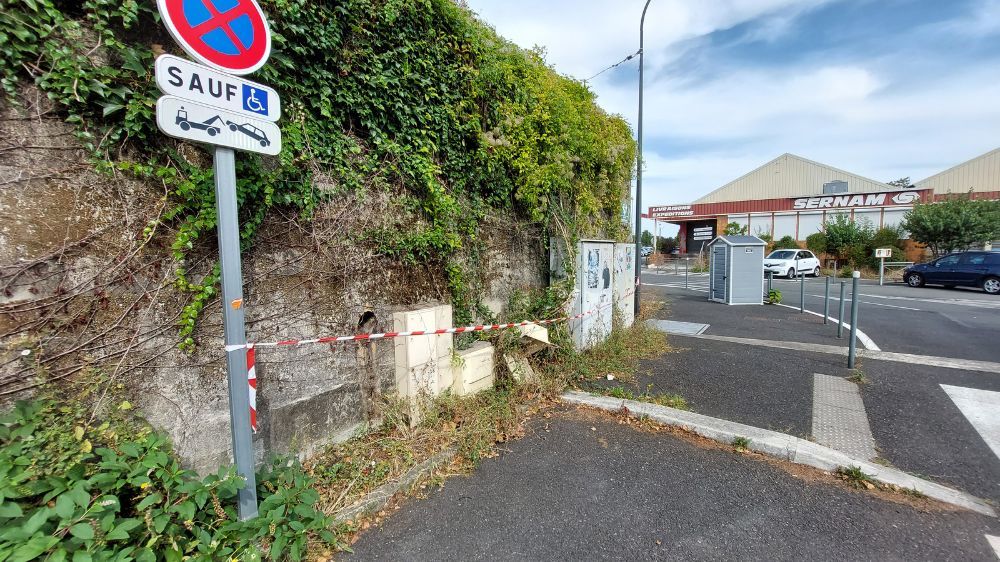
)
(929, 389)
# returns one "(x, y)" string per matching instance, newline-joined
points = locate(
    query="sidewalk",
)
(584, 486)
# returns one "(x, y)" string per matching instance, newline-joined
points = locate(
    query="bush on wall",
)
(384, 95)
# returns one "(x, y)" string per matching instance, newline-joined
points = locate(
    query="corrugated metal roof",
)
(980, 174)
(789, 176)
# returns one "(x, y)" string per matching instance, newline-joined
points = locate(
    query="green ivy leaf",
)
(148, 501)
(65, 506)
(9, 510)
(36, 546)
(82, 531)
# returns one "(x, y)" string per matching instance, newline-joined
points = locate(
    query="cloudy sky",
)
(883, 88)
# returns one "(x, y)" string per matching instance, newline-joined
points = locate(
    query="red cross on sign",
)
(227, 35)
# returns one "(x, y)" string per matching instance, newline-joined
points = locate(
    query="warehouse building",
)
(794, 196)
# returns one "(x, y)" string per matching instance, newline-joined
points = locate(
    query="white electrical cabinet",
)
(624, 281)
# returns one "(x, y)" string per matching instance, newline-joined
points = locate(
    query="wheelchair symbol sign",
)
(254, 99)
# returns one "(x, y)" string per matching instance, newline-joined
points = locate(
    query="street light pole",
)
(638, 173)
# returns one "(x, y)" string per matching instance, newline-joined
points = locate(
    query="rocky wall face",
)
(88, 300)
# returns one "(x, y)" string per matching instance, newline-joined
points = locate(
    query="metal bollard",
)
(840, 317)
(675, 266)
(852, 349)
(687, 269)
(770, 279)
(802, 293)
(826, 302)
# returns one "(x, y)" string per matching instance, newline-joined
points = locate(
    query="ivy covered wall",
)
(415, 97)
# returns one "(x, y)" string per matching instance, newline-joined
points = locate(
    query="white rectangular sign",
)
(666, 211)
(185, 79)
(189, 120)
(883, 252)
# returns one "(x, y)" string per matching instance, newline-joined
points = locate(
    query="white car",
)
(789, 263)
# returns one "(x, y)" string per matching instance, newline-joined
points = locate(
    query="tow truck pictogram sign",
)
(190, 120)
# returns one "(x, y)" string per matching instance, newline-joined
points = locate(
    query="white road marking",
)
(995, 543)
(846, 300)
(982, 409)
(866, 341)
(926, 360)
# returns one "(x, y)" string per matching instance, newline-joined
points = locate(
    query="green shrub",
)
(786, 243)
(817, 243)
(773, 296)
(73, 488)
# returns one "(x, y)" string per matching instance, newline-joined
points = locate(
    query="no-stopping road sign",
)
(227, 35)
(178, 77)
(190, 120)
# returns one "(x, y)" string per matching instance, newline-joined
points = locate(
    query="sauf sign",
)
(859, 200)
(209, 103)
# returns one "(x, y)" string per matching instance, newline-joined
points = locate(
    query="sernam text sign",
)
(859, 200)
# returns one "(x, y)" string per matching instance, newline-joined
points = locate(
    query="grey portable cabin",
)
(736, 270)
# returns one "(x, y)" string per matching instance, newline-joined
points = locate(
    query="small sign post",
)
(881, 254)
(209, 104)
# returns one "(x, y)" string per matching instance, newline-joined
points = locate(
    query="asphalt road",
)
(917, 427)
(591, 489)
(962, 322)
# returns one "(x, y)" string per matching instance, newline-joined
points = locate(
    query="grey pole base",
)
(840, 315)
(853, 345)
(233, 323)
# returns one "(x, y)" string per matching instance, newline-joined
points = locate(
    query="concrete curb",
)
(378, 498)
(780, 445)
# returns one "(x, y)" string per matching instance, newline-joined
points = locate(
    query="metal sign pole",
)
(881, 271)
(840, 315)
(853, 345)
(802, 293)
(826, 302)
(232, 319)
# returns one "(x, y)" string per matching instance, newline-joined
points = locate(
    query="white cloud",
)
(878, 114)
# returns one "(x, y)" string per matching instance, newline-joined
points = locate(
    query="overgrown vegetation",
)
(957, 223)
(858, 377)
(82, 482)
(774, 296)
(413, 97)
(856, 477)
(786, 243)
(855, 241)
(741, 444)
(618, 355)
(661, 398)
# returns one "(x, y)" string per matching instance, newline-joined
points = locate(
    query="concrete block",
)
(445, 347)
(520, 369)
(418, 358)
(474, 371)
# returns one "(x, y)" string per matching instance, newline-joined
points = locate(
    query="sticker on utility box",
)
(189, 120)
(185, 79)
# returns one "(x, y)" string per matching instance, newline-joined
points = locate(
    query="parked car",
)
(971, 269)
(647, 250)
(790, 263)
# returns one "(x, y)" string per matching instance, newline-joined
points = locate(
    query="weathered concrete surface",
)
(92, 299)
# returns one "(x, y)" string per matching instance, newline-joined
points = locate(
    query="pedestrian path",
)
(839, 418)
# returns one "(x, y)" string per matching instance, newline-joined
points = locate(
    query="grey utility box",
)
(736, 270)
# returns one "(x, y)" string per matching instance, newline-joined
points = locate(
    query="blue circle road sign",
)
(227, 35)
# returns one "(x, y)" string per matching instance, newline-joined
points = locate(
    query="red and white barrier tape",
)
(252, 354)
(387, 335)
(252, 381)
